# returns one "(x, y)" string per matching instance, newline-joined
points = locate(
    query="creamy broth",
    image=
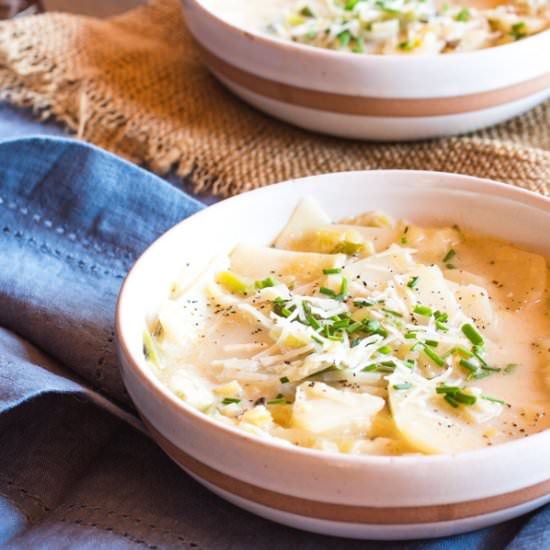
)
(402, 27)
(366, 336)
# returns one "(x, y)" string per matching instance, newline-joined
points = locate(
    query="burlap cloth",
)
(134, 85)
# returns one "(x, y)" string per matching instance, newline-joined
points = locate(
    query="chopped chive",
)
(479, 375)
(230, 400)
(265, 283)
(362, 303)
(510, 368)
(284, 380)
(490, 369)
(312, 322)
(343, 289)
(462, 352)
(369, 368)
(342, 323)
(387, 366)
(384, 350)
(413, 281)
(354, 327)
(446, 389)
(392, 312)
(359, 46)
(493, 399)
(354, 342)
(423, 310)
(372, 326)
(382, 5)
(410, 363)
(452, 401)
(450, 266)
(431, 343)
(449, 256)
(410, 335)
(286, 312)
(406, 45)
(441, 316)
(468, 365)
(404, 386)
(279, 401)
(472, 334)
(456, 395)
(318, 340)
(435, 357)
(463, 15)
(150, 351)
(344, 38)
(519, 30)
(332, 270)
(441, 326)
(465, 398)
(327, 292)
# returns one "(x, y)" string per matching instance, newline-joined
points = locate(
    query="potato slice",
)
(258, 262)
(307, 216)
(380, 268)
(432, 244)
(517, 278)
(433, 291)
(182, 319)
(191, 389)
(319, 408)
(462, 277)
(475, 303)
(426, 422)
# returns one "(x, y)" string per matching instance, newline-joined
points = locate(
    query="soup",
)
(388, 26)
(366, 336)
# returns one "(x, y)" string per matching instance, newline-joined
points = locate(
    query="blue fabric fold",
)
(73, 220)
(74, 471)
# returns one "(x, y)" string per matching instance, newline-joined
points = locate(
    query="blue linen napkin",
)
(75, 468)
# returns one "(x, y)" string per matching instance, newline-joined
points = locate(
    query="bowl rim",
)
(295, 47)
(181, 408)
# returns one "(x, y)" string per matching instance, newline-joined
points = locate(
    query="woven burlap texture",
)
(135, 85)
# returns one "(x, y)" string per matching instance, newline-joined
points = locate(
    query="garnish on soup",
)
(367, 336)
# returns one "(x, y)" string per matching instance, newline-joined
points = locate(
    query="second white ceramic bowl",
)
(377, 97)
(368, 497)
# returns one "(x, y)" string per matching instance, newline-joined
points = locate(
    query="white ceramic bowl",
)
(380, 97)
(369, 497)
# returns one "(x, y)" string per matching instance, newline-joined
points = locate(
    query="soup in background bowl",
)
(390, 26)
(328, 489)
